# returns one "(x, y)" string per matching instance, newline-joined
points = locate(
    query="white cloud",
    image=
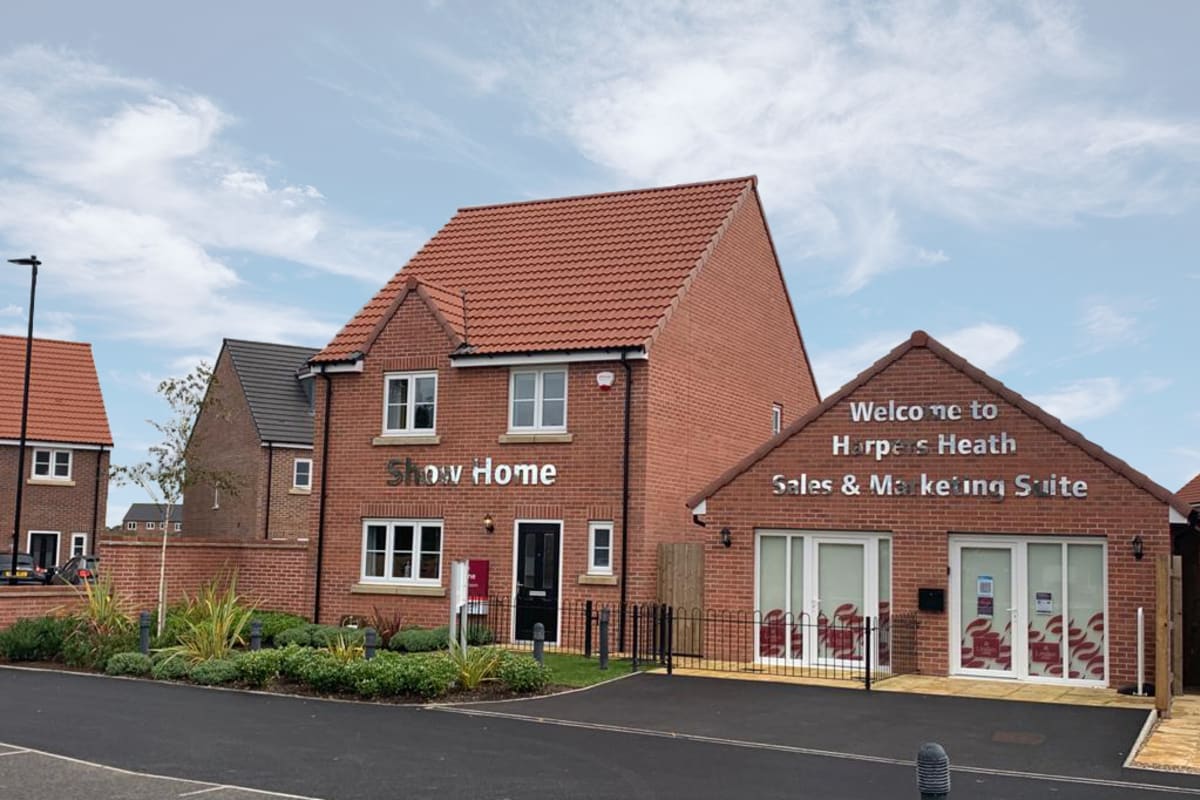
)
(858, 116)
(135, 200)
(1104, 324)
(986, 345)
(1082, 400)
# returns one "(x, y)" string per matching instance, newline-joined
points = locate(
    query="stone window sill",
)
(294, 490)
(49, 482)
(598, 580)
(402, 441)
(401, 589)
(535, 438)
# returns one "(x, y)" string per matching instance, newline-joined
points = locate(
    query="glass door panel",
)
(1085, 611)
(772, 596)
(1045, 610)
(799, 615)
(883, 648)
(986, 603)
(841, 581)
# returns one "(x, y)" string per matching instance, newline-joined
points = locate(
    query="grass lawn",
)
(567, 669)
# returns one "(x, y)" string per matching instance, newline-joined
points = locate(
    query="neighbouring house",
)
(927, 493)
(258, 425)
(65, 475)
(537, 392)
(148, 518)
(1190, 493)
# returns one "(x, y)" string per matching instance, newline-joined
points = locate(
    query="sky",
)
(1022, 181)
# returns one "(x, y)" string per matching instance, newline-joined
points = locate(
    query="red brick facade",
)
(726, 352)
(66, 507)
(1118, 506)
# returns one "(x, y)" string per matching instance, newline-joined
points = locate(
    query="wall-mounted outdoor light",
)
(726, 537)
(489, 524)
(1138, 547)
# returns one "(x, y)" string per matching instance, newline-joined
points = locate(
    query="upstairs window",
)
(178, 527)
(776, 419)
(151, 526)
(131, 526)
(302, 473)
(537, 400)
(409, 403)
(52, 465)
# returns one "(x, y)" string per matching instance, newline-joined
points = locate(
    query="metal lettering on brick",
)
(482, 472)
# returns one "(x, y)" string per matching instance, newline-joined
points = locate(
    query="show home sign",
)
(483, 472)
(944, 444)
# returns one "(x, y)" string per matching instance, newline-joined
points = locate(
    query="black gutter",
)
(95, 503)
(270, 471)
(625, 503)
(324, 479)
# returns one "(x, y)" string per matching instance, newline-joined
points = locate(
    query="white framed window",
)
(151, 526)
(52, 465)
(78, 544)
(131, 526)
(600, 548)
(302, 473)
(178, 527)
(216, 498)
(409, 403)
(537, 400)
(776, 419)
(402, 551)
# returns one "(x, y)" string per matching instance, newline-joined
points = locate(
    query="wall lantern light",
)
(726, 537)
(489, 524)
(1138, 548)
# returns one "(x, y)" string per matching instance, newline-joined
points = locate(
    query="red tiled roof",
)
(922, 339)
(1190, 493)
(65, 403)
(578, 273)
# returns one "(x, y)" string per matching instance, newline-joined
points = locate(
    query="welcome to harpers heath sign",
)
(947, 443)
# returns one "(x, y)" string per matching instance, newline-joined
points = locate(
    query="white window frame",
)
(80, 539)
(540, 375)
(57, 542)
(410, 404)
(131, 526)
(178, 527)
(776, 419)
(216, 498)
(50, 475)
(296, 471)
(151, 525)
(389, 552)
(593, 569)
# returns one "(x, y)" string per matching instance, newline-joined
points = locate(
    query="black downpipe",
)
(625, 502)
(270, 476)
(95, 504)
(324, 478)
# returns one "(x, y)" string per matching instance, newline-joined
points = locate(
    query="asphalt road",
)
(572, 746)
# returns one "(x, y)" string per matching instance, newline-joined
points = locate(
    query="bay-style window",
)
(402, 551)
(409, 403)
(54, 465)
(537, 400)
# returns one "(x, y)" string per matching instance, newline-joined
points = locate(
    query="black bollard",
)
(933, 772)
(255, 635)
(539, 642)
(144, 632)
(633, 661)
(369, 643)
(604, 638)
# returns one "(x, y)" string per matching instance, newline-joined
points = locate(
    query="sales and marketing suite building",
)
(927, 490)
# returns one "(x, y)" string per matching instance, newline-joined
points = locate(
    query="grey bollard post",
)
(604, 613)
(255, 635)
(933, 772)
(144, 632)
(369, 643)
(539, 642)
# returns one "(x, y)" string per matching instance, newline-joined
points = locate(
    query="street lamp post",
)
(33, 262)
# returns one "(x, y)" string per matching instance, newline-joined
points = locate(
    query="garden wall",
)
(18, 602)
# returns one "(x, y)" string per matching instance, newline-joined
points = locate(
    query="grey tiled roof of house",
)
(278, 402)
(151, 512)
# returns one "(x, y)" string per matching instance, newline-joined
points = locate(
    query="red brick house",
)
(538, 389)
(258, 426)
(148, 518)
(926, 489)
(67, 450)
(1190, 493)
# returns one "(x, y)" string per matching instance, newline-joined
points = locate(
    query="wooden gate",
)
(681, 585)
(1168, 639)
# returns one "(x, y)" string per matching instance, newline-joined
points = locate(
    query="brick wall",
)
(289, 516)
(66, 507)
(1115, 510)
(20, 602)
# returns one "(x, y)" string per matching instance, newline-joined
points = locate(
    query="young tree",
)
(170, 472)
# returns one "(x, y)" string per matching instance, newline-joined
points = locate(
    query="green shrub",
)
(327, 635)
(299, 635)
(324, 673)
(214, 672)
(35, 639)
(479, 635)
(520, 673)
(103, 627)
(257, 668)
(133, 663)
(293, 659)
(275, 623)
(215, 622)
(421, 640)
(169, 668)
(429, 675)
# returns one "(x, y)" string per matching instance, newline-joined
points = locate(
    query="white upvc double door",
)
(1032, 609)
(814, 590)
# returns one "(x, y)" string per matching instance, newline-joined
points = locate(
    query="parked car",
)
(27, 571)
(78, 570)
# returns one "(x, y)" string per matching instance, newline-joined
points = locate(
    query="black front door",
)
(537, 578)
(44, 549)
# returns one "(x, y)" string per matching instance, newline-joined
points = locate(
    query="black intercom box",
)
(931, 599)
